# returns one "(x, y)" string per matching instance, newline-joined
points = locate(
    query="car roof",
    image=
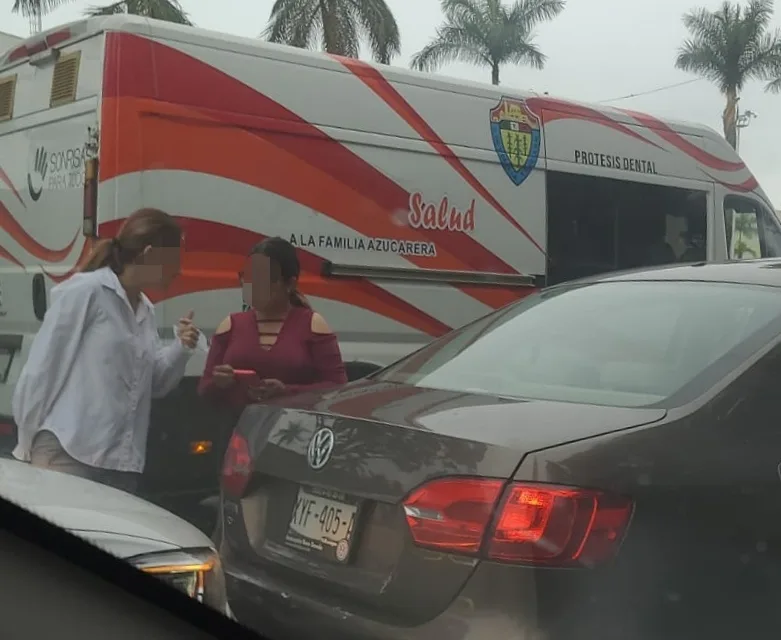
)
(765, 272)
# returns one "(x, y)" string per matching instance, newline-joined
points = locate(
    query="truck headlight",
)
(196, 572)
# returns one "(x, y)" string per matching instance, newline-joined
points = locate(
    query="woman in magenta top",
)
(280, 338)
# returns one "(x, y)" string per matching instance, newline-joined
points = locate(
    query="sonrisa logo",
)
(36, 174)
(516, 134)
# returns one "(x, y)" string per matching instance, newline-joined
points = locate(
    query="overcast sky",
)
(597, 50)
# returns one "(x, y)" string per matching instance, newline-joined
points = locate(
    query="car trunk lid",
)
(336, 522)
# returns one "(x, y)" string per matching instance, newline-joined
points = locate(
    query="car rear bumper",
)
(270, 607)
(498, 601)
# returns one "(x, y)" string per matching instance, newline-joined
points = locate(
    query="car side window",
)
(752, 230)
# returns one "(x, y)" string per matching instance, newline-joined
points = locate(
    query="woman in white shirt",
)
(82, 403)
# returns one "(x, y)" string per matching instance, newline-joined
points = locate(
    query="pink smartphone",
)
(247, 376)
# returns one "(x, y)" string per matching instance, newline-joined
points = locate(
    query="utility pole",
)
(742, 120)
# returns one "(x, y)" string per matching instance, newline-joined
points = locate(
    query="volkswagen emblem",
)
(320, 448)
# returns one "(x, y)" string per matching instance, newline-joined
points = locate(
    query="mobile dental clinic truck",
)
(418, 203)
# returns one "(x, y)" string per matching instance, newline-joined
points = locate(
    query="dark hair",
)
(283, 254)
(144, 228)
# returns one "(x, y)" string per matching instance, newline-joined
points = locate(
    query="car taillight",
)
(543, 524)
(526, 523)
(452, 514)
(236, 467)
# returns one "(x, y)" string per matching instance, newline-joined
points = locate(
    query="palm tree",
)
(338, 25)
(746, 229)
(169, 10)
(729, 47)
(33, 8)
(488, 33)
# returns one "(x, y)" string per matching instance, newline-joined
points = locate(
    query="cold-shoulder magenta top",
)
(300, 358)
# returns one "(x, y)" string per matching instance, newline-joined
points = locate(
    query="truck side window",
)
(597, 225)
(752, 230)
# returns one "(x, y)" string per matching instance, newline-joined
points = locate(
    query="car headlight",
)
(196, 572)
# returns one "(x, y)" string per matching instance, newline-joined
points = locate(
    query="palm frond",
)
(703, 60)
(463, 10)
(758, 15)
(295, 22)
(732, 45)
(767, 62)
(36, 7)
(775, 85)
(763, 59)
(528, 13)
(486, 32)
(379, 28)
(337, 25)
(704, 25)
(168, 10)
(107, 10)
(527, 53)
(450, 44)
(717, 41)
(340, 29)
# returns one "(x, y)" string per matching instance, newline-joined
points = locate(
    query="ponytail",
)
(297, 299)
(142, 229)
(105, 253)
(284, 256)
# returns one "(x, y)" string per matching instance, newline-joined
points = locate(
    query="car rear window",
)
(626, 343)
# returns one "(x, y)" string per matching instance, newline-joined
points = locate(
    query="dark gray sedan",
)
(600, 460)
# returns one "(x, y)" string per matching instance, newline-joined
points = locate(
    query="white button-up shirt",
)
(92, 371)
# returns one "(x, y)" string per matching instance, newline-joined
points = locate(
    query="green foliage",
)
(729, 47)
(36, 7)
(488, 33)
(169, 10)
(733, 45)
(338, 26)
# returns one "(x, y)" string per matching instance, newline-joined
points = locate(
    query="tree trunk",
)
(495, 73)
(332, 42)
(730, 117)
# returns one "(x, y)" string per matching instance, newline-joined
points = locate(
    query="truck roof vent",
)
(65, 79)
(7, 90)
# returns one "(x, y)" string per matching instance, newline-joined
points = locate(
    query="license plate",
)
(322, 525)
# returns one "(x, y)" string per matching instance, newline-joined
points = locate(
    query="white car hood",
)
(119, 522)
